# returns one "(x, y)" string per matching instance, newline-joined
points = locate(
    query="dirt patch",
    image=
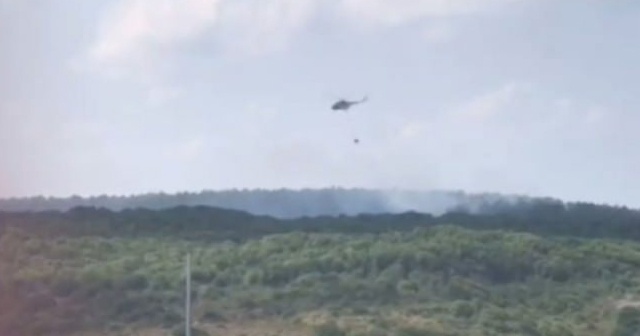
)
(629, 301)
(275, 327)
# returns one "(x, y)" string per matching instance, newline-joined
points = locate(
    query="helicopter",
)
(344, 105)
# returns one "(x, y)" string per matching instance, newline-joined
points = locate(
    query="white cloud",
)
(187, 150)
(134, 27)
(260, 26)
(489, 104)
(263, 112)
(396, 12)
(412, 130)
(136, 30)
(563, 104)
(595, 116)
(157, 96)
(567, 116)
(465, 121)
(136, 38)
(439, 32)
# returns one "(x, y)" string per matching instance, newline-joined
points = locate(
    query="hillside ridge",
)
(292, 203)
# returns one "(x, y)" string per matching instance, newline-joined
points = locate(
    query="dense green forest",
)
(283, 203)
(548, 268)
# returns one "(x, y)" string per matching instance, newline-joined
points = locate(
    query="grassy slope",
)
(426, 280)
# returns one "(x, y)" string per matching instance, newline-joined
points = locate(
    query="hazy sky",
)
(128, 96)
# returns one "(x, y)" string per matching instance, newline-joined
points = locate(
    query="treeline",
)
(285, 203)
(545, 218)
(543, 268)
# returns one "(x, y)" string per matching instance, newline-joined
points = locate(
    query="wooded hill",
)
(284, 203)
(547, 268)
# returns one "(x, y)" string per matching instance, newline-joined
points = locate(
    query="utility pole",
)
(187, 308)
